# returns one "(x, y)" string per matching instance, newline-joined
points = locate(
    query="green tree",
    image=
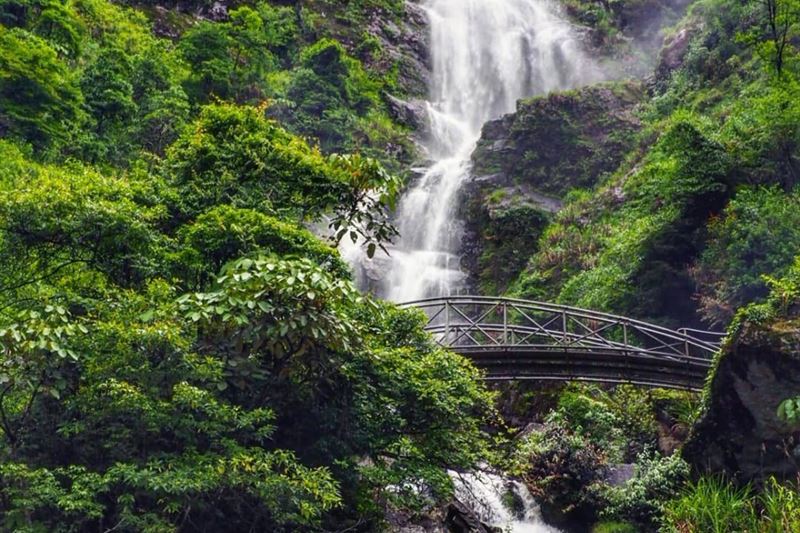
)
(108, 92)
(74, 226)
(235, 155)
(773, 36)
(277, 398)
(39, 97)
(758, 234)
(330, 91)
(206, 49)
(59, 24)
(163, 106)
(225, 233)
(133, 435)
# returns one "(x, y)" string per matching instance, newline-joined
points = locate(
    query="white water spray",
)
(500, 502)
(486, 55)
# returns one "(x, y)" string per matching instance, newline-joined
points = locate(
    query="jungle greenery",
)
(698, 225)
(177, 351)
(706, 204)
(177, 354)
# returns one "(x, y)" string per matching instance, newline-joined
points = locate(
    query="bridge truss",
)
(524, 340)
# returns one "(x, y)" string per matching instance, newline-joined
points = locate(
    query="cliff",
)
(740, 432)
(525, 162)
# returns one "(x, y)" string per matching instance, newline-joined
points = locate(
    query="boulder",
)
(460, 519)
(411, 113)
(740, 432)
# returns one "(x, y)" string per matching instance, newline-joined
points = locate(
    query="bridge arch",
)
(515, 339)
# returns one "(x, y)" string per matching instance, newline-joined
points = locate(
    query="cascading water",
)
(486, 55)
(499, 502)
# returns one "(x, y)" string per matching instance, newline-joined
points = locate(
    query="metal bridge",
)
(523, 340)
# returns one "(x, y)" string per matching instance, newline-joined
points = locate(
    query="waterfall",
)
(486, 55)
(500, 502)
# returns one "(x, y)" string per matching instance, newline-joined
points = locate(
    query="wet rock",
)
(431, 521)
(218, 12)
(563, 140)
(675, 50)
(163, 24)
(740, 432)
(404, 46)
(460, 519)
(411, 113)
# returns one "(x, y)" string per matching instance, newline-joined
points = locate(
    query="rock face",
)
(563, 140)
(740, 431)
(626, 35)
(405, 46)
(526, 161)
(411, 113)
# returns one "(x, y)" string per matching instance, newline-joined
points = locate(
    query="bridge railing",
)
(475, 324)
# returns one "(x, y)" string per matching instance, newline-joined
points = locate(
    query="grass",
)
(715, 505)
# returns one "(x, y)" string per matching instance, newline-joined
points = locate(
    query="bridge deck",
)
(522, 340)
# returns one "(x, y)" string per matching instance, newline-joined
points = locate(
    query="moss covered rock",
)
(740, 432)
(563, 140)
(526, 161)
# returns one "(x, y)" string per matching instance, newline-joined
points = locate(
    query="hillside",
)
(190, 193)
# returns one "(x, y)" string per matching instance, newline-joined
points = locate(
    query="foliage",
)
(641, 499)
(106, 90)
(789, 411)
(507, 234)
(711, 505)
(224, 233)
(639, 248)
(331, 90)
(235, 155)
(588, 416)
(781, 303)
(274, 396)
(132, 434)
(364, 207)
(232, 60)
(756, 235)
(561, 467)
(39, 97)
(62, 220)
(773, 36)
(614, 527)
(289, 338)
(714, 505)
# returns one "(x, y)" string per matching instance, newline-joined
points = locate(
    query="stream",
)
(486, 55)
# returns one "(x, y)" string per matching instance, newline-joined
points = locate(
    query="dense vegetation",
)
(178, 351)
(705, 205)
(696, 220)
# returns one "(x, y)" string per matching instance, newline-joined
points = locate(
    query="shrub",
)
(641, 499)
(225, 233)
(561, 466)
(758, 234)
(39, 97)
